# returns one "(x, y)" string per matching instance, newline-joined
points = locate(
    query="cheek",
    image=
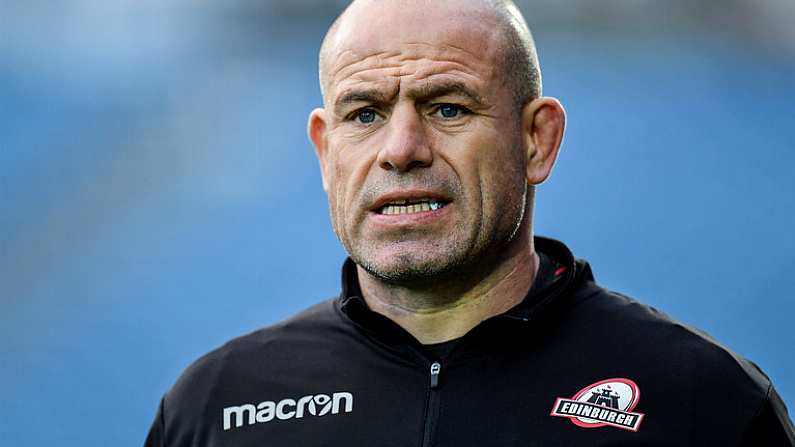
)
(503, 173)
(347, 175)
(483, 159)
(495, 167)
(336, 188)
(337, 198)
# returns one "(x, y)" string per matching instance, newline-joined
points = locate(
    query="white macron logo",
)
(316, 405)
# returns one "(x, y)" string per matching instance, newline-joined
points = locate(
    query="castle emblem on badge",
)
(605, 403)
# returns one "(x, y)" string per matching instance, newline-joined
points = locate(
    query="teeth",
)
(400, 207)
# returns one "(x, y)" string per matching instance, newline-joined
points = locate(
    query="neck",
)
(442, 312)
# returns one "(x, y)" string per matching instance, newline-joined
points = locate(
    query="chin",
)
(407, 268)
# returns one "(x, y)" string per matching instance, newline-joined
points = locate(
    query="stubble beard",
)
(459, 260)
(412, 269)
(456, 258)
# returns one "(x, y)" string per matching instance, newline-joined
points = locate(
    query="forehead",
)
(381, 41)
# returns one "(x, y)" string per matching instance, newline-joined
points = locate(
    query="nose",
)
(406, 146)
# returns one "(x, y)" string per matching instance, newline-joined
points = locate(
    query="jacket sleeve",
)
(155, 437)
(771, 427)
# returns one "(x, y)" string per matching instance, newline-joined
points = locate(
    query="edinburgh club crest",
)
(605, 403)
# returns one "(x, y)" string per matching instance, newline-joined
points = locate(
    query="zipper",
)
(432, 409)
(436, 368)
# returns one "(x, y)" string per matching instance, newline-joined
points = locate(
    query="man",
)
(455, 326)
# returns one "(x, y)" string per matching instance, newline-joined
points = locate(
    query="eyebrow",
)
(450, 88)
(422, 93)
(373, 96)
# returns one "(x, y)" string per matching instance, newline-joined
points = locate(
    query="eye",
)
(365, 116)
(450, 111)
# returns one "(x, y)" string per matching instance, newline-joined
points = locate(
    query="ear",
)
(316, 129)
(543, 121)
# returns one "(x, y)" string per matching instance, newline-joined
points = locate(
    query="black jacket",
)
(572, 365)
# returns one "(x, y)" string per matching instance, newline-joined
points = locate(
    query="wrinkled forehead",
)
(378, 31)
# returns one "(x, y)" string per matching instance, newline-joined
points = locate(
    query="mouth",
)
(414, 206)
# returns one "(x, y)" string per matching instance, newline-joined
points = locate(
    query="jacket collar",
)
(541, 301)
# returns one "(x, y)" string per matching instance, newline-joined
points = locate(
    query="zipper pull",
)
(436, 367)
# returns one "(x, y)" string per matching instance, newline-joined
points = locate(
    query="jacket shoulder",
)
(266, 343)
(656, 336)
(254, 361)
(681, 368)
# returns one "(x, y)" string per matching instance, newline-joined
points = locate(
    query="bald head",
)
(516, 54)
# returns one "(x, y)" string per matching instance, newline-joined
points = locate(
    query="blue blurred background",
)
(159, 195)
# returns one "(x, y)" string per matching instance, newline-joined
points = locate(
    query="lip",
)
(418, 220)
(407, 195)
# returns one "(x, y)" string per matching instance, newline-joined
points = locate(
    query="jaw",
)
(413, 263)
(408, 247)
